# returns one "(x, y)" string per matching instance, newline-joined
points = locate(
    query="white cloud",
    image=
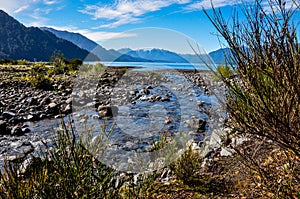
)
(127, 11)
(47, 2)
(22, 8)
(206, 4)
(16, 6)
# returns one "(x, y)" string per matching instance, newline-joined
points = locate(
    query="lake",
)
(156, 65)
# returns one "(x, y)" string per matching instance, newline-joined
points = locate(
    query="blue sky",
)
(118, 19)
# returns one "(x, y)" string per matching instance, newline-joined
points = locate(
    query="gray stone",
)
(69, 100)
(52, 105)
(3, 127)
(107, 111)
(17, 131)
(2, 104)
(165, 99)
(8, 114)
(45, 100)
(153, 97)
(200, 103)
(145, 91)
(144, 98)
(197, 124)
(68, 108)
(26, 130)
(26, 148)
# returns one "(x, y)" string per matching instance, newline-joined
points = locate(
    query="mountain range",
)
(39, 44)
(140, 55)
(91, 46)
(20, 42)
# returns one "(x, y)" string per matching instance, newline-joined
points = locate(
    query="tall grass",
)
(64, 170)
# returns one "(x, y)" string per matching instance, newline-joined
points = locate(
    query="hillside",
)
(91, 46)
(20, 42)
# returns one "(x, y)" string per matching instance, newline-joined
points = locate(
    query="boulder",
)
(17, 131)
(144, 91)
(197, 124)
(45, 100)
(107, 111)
(69, 100)
(3, 127)
(8, 114)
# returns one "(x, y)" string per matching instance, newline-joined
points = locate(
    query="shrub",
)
(187, 167)
(263, 99)
(38, 77)
(66, 170)
(75, 63)
(224, 72)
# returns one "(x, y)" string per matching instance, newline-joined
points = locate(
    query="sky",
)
(122, 23)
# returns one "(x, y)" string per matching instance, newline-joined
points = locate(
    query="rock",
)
(8, 114)
(200, 103)
(153, 97)
(60, 87)
(145, 91)
(68, 108)
(165, 99)
(197, 124)
(2, 104)
(133, 92)
(168, 121)
(26, 130)
(45, 100)
(107, 111)
(69, 100)
(30, 117)
(149, 87)
(32, 101)
(26, 148)
(17, 131)
(144, 98)
(3, 128)
(52, 105)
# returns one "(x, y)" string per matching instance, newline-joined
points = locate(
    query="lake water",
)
(157, 65)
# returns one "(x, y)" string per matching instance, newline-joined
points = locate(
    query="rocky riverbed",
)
(142, 106)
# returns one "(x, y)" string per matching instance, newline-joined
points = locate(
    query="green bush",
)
(224, 72)
(263, 99)
(38, 77)
(65, 170)
(187, 167)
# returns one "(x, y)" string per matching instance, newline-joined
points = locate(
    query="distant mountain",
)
(220, 55)
(193, 58)
(155, 55)
(20, 42)
(129, 55)
(75, 38)
(91, 46)
(124, 50)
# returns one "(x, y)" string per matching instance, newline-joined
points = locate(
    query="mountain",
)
(192, 58)
(129, 55)
(76, 38)
(219, 56)
(20, 42)
(91, 46)
(155, 55)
